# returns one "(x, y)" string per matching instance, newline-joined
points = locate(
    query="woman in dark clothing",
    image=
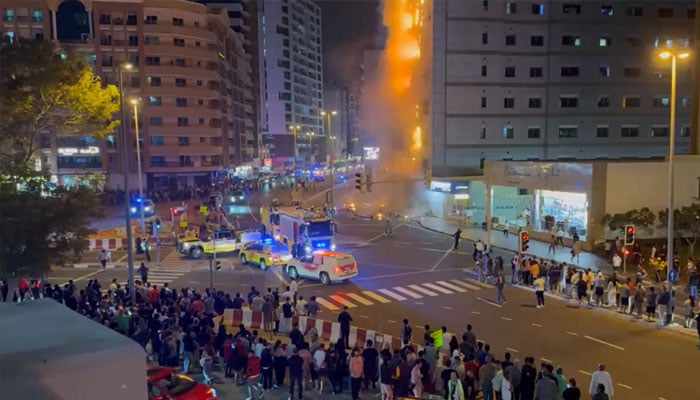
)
(527, 380)
(266, 365)
(279, 363)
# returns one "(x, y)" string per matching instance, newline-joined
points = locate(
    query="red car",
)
(167, 384)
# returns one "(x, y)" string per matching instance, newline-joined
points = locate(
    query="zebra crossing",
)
(336, 301)
(160, 276)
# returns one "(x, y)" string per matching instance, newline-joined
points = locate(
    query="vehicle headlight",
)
(241, 198)
(308, 249)
(333, 247)
(149, 208)
(133, 209)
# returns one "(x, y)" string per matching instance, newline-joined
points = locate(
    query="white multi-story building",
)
(291, 75)
(530, 80)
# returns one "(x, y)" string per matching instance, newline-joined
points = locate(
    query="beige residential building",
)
(187, 71)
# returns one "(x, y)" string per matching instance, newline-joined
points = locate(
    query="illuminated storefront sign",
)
(371, 153)
(71, 151)
(441, 186)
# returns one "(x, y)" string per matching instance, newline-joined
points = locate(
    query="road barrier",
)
(120, 243)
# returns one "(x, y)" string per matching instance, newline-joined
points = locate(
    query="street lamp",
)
(135, 102)
(125, 171)
(330, 144)
(294, 129)
(672, 53)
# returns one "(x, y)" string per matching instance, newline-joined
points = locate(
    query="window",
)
(633, 41)
(155, 121)
(510, 40)
(485, 38)
(632, 72)
(181, 102)
(571, 8)
(151, 20)
(537, 41)
(569, 71)
(483, 102)
(178, 22)
(629, 131)
(133, 41)
(183, 141)
(510, 72)
(200, 102)
(508, 132)
(536, 72)
(538, 9)
(685, 102)
(180, 82)
(485, 5)
(534, 132)
(602, 131)
(10, 36)
(153, 81)
(198, 83)
(568, 131)
(509, 102)
(152, 60)
(38, 15)
(151, 40)
(534, 102)
(180, 62)
(201, 121)
(604, 71)
(570, 40)
(606, 11)
(603, 101)
(155, 100)
(634, 11)
(179, 42)
(631, 102)
(568, 101)
(660, 101)
(157, 141)
(183, 121)
(482, 133)
(605, 41)
(659, 131)
(157, 161)
(511, 8)
(685, 131)
(483, 70)
(665, 12)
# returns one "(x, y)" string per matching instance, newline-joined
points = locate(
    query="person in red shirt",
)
(472, 365)
(154, 295)
(252, 373)
(23, 286)
(197, 306)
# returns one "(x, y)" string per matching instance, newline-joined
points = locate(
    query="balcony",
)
(191, 150)
(166, 27)
(173, 90)
(172, 130)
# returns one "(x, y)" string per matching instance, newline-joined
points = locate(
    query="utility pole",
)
(127, 198)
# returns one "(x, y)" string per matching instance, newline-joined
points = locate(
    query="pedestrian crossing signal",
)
(359, 181)
(523, 241)
(158, 224)
(629, 235)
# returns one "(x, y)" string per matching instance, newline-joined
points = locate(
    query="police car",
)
(265, 253)
(326, 266)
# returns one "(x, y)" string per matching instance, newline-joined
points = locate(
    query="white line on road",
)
(571, 333)
(419, 303)
(614, 346)
(661, 398)
(392, 294)
(436, 287)
(506, 318)
(584, 372)
(327, 304)
(546, 360)
(489, 302)
(624, 386)
(375, 296)
(534, 324)
(407, 292)
(359, 299)
(391, 321)
(342, 301)
(476, 312)
(364, 316)
(82, 278)
(451, 286)
(437, 264)
(448, 308)
(465, 284)
(512, 350)
(422, 290)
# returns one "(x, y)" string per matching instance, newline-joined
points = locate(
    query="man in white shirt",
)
(616, 262)
(301, 306)
(320, 365)
(603, 377)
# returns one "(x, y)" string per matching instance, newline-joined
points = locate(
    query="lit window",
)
(155, 100)
(605, 41)
(631, 102)
(511, 8)
(660, 101)
(538, 9)
(568, 131)
(570, 40)
(10, 36)
(606, 10)
(508, 132)
(604, 71)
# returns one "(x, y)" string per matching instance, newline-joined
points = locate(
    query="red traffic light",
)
(524, 236)
(630, 229)
(627, 252)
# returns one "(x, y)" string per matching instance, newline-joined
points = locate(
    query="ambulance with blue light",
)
(303, 231)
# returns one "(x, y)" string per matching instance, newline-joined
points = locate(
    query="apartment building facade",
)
(535, 80)
(184, 70)
(291, 79)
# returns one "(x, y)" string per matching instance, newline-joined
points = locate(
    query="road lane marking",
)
(359, 299)
(407, 292)
(489, 302)
(391, 321)
(82, 278)
(392, 294)
(364, 316)
(327, 304)
(448, 308)
(419, 303)
(476, 312)
(614, 346)
(422, 290)
(512, 350)
(585, 372)
(546, 360)
(339, 299)
(451, 286)
(465, 284)
(534, 324)
(571, 333)
(506, 318)
(375, 296)
(483, 285)
(437, 264)
(624, 386)
(436, 287)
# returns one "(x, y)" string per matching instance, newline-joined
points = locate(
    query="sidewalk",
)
(498, 240)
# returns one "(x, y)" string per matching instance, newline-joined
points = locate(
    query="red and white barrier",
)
(249, 318)
(107, 244)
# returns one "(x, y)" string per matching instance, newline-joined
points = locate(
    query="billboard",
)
(371, 153)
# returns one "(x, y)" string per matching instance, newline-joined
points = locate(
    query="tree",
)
(642, 217)
(686, 224)
(44, 93)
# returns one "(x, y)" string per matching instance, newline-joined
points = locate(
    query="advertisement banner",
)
(566, 177)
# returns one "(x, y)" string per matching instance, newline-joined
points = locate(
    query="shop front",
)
(450, 199)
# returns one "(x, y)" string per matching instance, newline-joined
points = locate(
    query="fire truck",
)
(302, 230)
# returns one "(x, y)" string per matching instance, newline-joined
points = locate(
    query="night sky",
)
(349, 26)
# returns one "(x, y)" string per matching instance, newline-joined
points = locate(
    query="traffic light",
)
(359, 181)
(629, 234)
(149, 228)
(523, 241)
(158, 224)
(368, 182)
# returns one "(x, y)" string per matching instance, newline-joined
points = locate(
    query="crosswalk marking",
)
(327, 304)
(162, 276)
(422, 290)
(407, 292)
(451, 286)
(436, 287)
(375, 296)
(342, 301)
(465, 284)
(483, 285)
(392, 294)
(359, 299)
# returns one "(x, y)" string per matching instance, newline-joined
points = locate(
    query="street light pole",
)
(135, 103)
(295, 128)
(127, 198)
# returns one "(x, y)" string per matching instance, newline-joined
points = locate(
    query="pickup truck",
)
(220, 241)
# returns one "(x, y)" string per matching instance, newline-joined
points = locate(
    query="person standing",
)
(386, 381)
(500, 284)
(600, 393)
(143, 272)
(417, 379)
(296, 374)
(506, 389)
(539, 291)
(103, 257)
(356, 371)
(252, 373)
(527, 379)
(455, 391)
(344, 319)
(572, 392)
(457, 235)
(370, 359)
(601, 377)
(486, 374)
(561, 383)
(406, 332)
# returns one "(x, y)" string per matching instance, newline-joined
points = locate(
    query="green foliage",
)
(642, 218)
(43, 225)
(686, 224)
(46, 93)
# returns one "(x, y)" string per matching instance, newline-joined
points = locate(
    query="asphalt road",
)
(416, 275)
